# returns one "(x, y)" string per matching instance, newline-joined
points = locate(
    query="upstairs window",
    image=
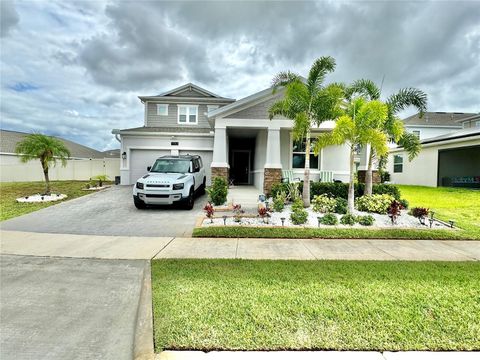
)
(187, 114)
(162, 109)
(477, 123)
(397, 163)
(298, 156)
(416, 133)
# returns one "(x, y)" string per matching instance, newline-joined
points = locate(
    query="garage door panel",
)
(207, 157)
(141, 159)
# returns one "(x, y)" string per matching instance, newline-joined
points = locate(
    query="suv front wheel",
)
(190, 201)
(139, 204)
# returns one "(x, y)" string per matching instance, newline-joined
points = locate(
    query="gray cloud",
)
(8, 17)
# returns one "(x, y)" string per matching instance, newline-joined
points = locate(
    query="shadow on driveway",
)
(109, 212)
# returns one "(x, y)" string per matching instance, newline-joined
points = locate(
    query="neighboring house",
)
(236, 139)
(434, 123)
(447, 160)
(114, 153)
(470, 122)
(84, 162)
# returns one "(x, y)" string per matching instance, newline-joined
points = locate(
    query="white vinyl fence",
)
(11, 169)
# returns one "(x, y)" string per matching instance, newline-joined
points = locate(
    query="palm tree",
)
(45, 148)
(307, 102)
(393, 126)
(360, 125)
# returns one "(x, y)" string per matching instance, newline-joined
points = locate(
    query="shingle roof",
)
(9, 140)
(178, 129)
(436, 119)
(113, 153)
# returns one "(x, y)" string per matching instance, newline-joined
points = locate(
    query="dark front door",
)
(240, 167)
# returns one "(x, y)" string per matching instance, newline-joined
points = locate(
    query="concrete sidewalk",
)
(123, 247)
(316, 355)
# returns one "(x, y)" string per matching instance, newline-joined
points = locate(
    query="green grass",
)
(332, 305)
(460, 205)
(9, 208)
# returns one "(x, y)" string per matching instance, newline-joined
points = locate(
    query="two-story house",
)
(236, 139)
(434, 124)
(470, 122)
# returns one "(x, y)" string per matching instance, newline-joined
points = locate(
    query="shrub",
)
(279, 201)
(419, 212)
(293, 192)
(218, 191)
(238, 212)
(348, 219)
(366, 220)
(329, 219)
(341, 206)
(374, 203)
(323, 203)
(404, 203)
(394, 211)
(297, 205)
(100, 179)
(299, 216)
(209, 211)
(388, 189)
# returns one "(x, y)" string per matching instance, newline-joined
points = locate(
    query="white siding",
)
(207, 157)
(429, 132)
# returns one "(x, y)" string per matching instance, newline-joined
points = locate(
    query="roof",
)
(438, 118)
(474, 117)
(113, 153)
(240, 103)
(178, 129)
(9, 140)
(189, 87)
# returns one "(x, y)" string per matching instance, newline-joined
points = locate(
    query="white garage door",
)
(140, 159)
(207, 157)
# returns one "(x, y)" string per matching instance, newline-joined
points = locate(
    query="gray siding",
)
(258, 111)
(154, 120)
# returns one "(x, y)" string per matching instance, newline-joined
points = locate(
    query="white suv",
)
(171, 179)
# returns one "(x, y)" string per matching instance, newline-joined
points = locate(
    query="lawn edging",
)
(322, 233)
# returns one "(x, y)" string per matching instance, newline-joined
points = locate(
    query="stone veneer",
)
(220, 172)
(375, 176)
(271, 176)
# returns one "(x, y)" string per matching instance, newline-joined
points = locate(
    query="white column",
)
(272, 160)
(220, 149)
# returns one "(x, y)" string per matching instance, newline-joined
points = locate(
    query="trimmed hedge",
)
(339, 190)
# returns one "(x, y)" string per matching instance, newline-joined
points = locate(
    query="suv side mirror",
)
(149, 168)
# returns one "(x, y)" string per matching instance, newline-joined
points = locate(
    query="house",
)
(451, 159)
(84, 162)
(236, 139)
(470, 122)
(434, 123)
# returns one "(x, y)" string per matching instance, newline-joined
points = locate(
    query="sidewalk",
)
(123, 247)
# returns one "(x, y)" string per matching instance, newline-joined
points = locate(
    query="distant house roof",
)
(469, 118)
(177, 129)
(465, 133)
(9, 140)
(114, 153)
(441, 119)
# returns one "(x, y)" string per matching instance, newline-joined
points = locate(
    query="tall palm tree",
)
(397, 102)
(45, 148)
(307, 102)
(360, 125)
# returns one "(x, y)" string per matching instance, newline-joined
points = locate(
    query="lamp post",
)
(283, 221)
(224, 219)
(319, 219)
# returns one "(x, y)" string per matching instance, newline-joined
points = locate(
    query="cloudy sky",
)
(75, 68)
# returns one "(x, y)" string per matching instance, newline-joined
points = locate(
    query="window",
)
(477, 123)
(397, 163)
(187, 114)
(298, 156)
(416, 133)
(162, 109)
(211, 107)
(465, 124)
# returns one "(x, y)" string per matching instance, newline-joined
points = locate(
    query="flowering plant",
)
(209, 211)
(237, 212)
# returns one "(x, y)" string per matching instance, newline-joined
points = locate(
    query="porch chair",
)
(287, 177)
(326, 176)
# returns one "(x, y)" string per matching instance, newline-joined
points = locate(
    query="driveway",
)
(54, 308)
(109, 212)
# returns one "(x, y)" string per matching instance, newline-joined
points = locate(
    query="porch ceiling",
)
(242, 132)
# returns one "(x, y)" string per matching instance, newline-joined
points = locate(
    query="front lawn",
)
(334, 305)
(9, 208)
(460, 205)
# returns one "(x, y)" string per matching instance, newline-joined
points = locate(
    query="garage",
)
(459, 167)
(140, 159)
(207, 157)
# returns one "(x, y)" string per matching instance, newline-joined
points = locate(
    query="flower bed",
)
(37, 198)
(275, 219)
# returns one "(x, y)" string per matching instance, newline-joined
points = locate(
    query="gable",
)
(190, 92)
(258, 109)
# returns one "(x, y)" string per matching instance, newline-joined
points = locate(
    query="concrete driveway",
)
(54, 308)
(109, 212)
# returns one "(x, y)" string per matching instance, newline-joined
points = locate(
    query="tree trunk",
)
(368, 175)
(306, 174)
(47, 179)
(351, 188)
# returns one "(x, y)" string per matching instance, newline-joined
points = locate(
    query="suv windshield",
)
(171, 166)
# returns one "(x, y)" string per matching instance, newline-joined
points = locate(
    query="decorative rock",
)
(41, 198)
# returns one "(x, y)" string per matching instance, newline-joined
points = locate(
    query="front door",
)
(240, 167)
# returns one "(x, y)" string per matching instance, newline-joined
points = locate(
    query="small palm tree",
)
(359, 125)
(45, 148)
(393, 126)
(307, 102)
